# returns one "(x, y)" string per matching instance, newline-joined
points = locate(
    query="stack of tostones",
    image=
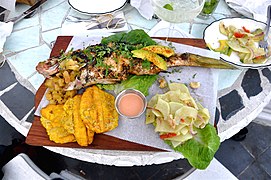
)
(80, 117)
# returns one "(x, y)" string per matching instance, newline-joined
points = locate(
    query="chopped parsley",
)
(171, 46)
(175, 70)
(87, 52)
(64, 55)
(146, 64)
(116, 59)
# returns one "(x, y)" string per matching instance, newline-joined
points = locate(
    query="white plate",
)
(212, 35)
(97, 6)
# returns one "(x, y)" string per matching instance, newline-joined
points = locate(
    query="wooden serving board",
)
(37, 135)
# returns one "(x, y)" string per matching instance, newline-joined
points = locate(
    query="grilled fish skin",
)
(110, 64)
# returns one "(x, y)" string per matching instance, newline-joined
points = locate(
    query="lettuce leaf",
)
(134, 37)
(141, 83)
(200, 150)
(113, 38)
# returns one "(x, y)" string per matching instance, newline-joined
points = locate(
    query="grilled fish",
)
(112, 63)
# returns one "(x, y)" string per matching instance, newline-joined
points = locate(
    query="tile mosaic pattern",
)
(26, 61)
(21, 40)
(230, 104)
(244, 100)
(251, 83)
(30, 117)
(7, 77)
(267, 73)
(19, 100)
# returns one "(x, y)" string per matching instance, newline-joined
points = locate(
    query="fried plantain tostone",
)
(82, 134)
(51, 117)
(97, 110)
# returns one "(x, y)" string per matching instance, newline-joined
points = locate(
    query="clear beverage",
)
(208, 8)
(183, 10)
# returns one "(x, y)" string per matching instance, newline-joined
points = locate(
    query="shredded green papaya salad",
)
(183, 123)
(244, 42)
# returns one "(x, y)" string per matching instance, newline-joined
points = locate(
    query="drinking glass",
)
(208, 8)
(176, 11)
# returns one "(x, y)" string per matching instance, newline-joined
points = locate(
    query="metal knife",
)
(112, 23)
(27, 12)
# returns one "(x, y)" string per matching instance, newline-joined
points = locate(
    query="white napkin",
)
(144, 7)
(5, 31)
(251, 8)
(80, 28)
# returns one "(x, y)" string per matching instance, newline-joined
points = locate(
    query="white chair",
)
(22, 167)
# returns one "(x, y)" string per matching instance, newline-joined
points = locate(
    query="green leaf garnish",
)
(200, 150)
(134, 37)
(141, 83)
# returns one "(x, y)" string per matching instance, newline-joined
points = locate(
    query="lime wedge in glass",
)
(168, 7)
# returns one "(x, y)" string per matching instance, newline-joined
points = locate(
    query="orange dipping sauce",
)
(131, 105)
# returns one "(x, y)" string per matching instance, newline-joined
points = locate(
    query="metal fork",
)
(264, 44)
